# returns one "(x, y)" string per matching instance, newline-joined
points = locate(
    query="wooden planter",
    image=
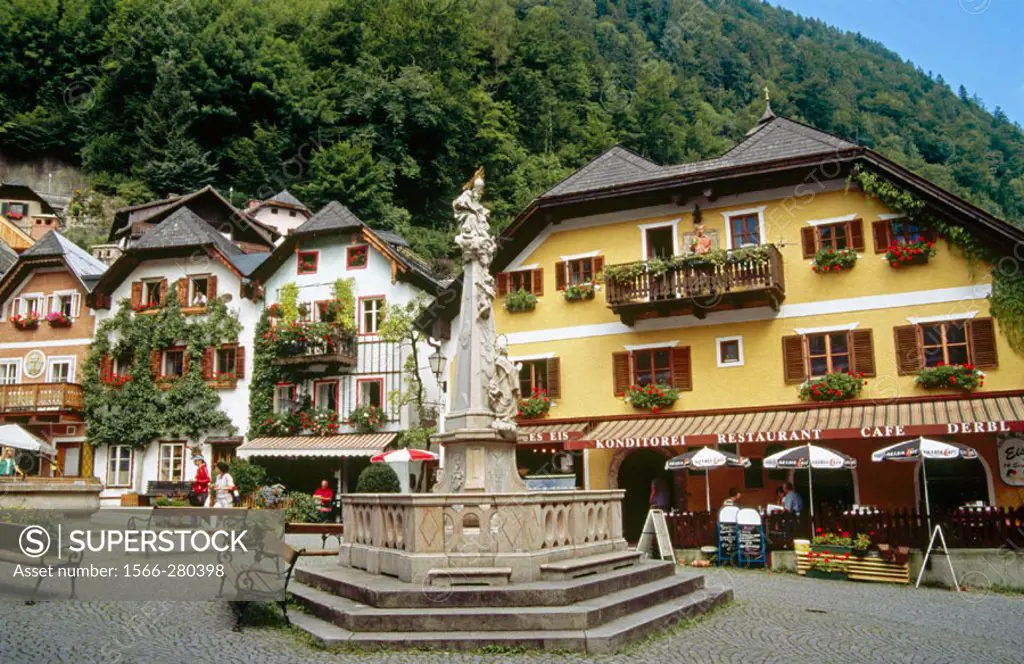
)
(830, 548)
(134, 500)
(819, 574)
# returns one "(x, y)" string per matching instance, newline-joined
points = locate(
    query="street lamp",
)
(438, 362)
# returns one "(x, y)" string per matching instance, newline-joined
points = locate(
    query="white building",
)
(282, 212)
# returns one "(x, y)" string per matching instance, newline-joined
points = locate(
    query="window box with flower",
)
(366, 419)
(918, 252)
(653, 397)
(828, 566)
(836, 386)
(115, 381)
(582, 291)
(535, 406)
(963, 377)
(838, 542)
(29, 321)
(58, 319)
(829, 260)
(320, 422)
(146, 307)
(520, 300)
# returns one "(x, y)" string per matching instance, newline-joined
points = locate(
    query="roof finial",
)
(767, 97)
(768, 113)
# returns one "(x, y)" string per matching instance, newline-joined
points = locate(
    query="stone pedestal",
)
(478, 461)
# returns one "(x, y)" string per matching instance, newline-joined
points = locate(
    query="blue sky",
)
(976, 43)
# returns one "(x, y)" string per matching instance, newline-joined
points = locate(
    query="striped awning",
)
(342, 445)
(524, 431)
(869, 420)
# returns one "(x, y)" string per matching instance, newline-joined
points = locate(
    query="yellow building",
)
(704, 283)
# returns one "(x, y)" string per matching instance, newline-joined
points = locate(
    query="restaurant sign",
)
(551, 436)
(1011, 460)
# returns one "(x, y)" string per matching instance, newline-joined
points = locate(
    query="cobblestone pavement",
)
(775, 618)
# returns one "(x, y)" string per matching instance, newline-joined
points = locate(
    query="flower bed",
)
(910, 253)
(963, 377)
(830, 260)
(651, 397)
(535, 406)
(520, 300)
(836, 386)
(58, 319)
(29, 321)
(367, 419)
(577, 292)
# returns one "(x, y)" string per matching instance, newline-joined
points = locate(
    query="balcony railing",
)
(40, 397)
(339, 347)
(739, 278)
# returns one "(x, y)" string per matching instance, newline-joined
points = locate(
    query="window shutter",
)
(106, 367)
(51, 305)
(163, 292)
(620, 372)
(682, 369)
(794, 368)
(183, 292)
(209, 358)
(982, 335)
(154, 363)
(857, 234)
(598, 266)
(136, 294)
(809, 241)
(930, 235)
(560, 275)
(554, 378)
(15, 307)
(502, 284)
(538, 281)
(239, 361)
(909, 357)
(211, 287)
(186, 360)
(863, 344)
(880, 231)
(76, 305)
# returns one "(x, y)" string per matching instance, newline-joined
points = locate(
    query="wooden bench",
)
(165, 489)
(165, 516)
(469, 576)
(249, 579)
(577, 567)
(324, 530)
(10, 553)
(869, 568)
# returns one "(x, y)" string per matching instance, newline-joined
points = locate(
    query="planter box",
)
(134, 500)
(919, 259)
(818, 574)
(829, 548)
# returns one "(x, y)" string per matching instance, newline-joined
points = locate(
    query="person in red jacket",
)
(326, 496)
(201, 484)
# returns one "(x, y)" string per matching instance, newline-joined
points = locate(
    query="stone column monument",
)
(480, 442)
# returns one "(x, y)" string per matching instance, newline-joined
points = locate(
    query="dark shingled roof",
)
(393, 238)
(285, 197)
(773, 138)
(332, 217)
(184, 228)
(7, 258)
(81, 262)
(247, 263)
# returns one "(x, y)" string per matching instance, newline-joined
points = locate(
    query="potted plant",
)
(366, 419)
(275, 310)
(836, 386)
(654, 398)
(535, 406)
(827, 566)
(861, 544)
(910, 253)
(29, 321)
(830, 260)
(963, 377)
(520, 300)
(302, 310)
(835, 543)
(581, 291)
(58, 319)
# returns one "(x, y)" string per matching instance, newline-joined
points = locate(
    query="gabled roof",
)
(85, 266)
(332, 217)
(19, 191)
(614, 166)
(7, 258)
(284, 197)
(184, 228)
(247, 263)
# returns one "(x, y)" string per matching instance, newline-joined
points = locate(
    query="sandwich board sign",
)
(656, 532)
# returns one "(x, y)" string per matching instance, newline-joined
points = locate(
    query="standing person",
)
(225, 487)
(201, 485)
(325, 498)
(733, 499)
(792, 501)
(659, 494)
(8, 466)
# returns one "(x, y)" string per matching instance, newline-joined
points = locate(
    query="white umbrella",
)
(810, 456)
(924, 448)
(12, 435)
(707, 459)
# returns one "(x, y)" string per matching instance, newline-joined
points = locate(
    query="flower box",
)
(963, 377)
(651, 397)
(821, 574)
(29, 321)
(910, 253)
(831, 261)
(534, 406)
(578, 292)
(58, 319)
(837, 386)
(520, 300)
(831, 548)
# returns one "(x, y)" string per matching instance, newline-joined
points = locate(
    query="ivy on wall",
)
(1006, 303)
(135, 410)
(265, 375)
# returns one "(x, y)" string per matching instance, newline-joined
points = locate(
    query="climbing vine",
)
(265, 375)
(138, 407)
(1006, 303)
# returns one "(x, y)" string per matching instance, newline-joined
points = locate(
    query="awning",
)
(342, 445)
(12, 435)
(550, 433)
(991, 415)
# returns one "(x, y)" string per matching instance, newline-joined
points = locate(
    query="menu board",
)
(751, 542)
(727, 541)
(656, 531)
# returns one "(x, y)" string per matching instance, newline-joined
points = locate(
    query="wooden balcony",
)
(32, 398)
(677, 287)
(339, 350)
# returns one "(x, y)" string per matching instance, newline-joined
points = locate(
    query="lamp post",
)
(438, 363)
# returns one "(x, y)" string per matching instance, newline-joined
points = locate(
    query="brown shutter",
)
(208, 362)
(136, 294)
(106, 367)
(186, 360)
(163, 292)
(239, 361)
(502, 284)
(183, 292)
(620, 372)
(211, 287)
(598, 266)
(982, 335)
(909, 357)
(880, 231)
(682, 369)
(538, 281)
(863, 344)
(857, 234)
(154, 363)
(554, 378)
(794, 369)
(809, 241)
(560, 275)
(929, 234)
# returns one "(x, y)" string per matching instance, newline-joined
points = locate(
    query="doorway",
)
(69, 459)
(638, 470)
(952, 483)
(834, 489)
(661, 242)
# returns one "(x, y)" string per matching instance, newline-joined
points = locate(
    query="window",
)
(652, 366)
(198, 291)
(32, 305)
(745, 230)
(273, 210)
(902, 231)
(580, 271)
(64, 303)
(284, 397)
(225, 361)
(730, 351)
(371, 314)
(833, 236)
(945, 343)
(530, 280)
(828, 353)
(119, 465)
(371, 392)
(836, 236)
(533, 374)
(14, 211)
(172, 457)
(520, 280)
(356, 257)
(308, 262)
(291, 213)
(325, 395)
(753, 475)
(151, 292)
(122, 365)
(60, 370)
(9, 372)
(661, 242)
(174, 363)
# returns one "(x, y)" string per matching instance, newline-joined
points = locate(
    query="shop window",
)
(945, 343)
(172, 458)
(828, 353)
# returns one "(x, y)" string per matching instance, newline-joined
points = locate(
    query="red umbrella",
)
(406, 454)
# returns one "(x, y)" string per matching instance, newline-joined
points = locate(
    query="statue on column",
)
(504, 390)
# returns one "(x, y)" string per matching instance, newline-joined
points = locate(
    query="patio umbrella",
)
(707, 459)
(405, 454)
(12, 435)
(924, 448)
(809, 456)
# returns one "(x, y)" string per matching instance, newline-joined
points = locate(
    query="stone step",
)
(574, 568)
(587, 614)
(602, 639)
(382, 591)
(469, 576)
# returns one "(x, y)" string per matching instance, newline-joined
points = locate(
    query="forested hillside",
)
(388, 105)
